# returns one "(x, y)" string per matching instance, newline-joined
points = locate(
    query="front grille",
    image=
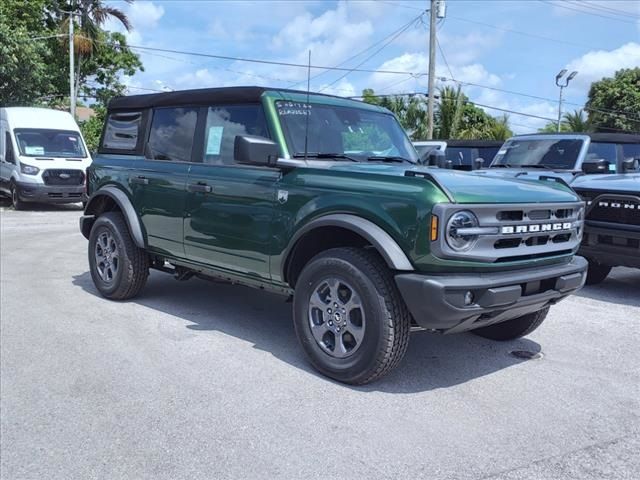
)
(620, 209)
(63, 177)
(515, 232)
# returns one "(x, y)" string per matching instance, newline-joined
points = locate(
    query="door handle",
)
(200, 187)
(140, 180)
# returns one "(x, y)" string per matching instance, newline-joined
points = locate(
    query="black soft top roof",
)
(614, 137)
(474, 143)
(201, 96)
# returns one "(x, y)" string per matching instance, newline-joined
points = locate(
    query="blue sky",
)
(495, 44)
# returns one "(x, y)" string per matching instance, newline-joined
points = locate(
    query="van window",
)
(122, 131)
(171, 136)
(38, 142)
(224, 123)
(8, 149)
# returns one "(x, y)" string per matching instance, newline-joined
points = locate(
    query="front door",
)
(158, 180)
(229, 207)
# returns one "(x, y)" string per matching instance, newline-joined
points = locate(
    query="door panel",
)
(158, 194)
(158, 181)
(229, 226)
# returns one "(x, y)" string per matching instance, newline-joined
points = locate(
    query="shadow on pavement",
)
(622, 286)
(263, 319)
(41, 207)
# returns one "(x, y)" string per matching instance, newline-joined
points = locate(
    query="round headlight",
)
(456, 237)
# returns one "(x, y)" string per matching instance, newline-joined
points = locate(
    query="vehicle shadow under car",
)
(5, 203)
(433, 361)
(622, 286)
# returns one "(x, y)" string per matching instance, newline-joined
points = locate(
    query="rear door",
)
(158, 179)
(230, 207)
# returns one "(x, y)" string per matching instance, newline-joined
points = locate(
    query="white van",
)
(43, 157)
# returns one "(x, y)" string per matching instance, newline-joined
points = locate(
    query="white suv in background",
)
(43, 157)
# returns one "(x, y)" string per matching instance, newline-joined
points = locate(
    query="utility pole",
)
(432, 66)
(72, 93)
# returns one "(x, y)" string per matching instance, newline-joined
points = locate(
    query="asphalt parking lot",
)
(204, 380)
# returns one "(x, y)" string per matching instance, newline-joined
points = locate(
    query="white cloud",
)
(144, 14)
(596, 64)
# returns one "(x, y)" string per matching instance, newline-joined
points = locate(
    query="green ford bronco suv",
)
(320, 198)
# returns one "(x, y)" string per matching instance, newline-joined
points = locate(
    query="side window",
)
(171, 135)
(8, 149)
(122, 131)
(224, 123)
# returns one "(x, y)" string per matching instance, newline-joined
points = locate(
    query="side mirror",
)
(595, 166)
(255, 150)
(448, 164)
(478, 163)
(630, 164)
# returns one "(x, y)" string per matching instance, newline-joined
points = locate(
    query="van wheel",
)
(596, 273)
(349, 316)
(512, 329)
(119, 268)
(15, 198)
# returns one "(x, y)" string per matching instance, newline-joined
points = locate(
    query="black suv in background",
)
(612, 225)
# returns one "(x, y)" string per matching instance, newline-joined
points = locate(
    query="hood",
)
(622, 183)
(527, 173)
(466, 187)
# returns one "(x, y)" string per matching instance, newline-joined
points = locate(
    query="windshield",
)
(352, 132)
(550, 153)
(38, 142)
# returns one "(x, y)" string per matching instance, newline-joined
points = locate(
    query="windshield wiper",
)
(501, 165)
(391, 158)
(536, 165)
(325, 155)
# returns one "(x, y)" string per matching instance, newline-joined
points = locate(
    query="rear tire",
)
(119, 268)
(15, 198)
(596, 273)
(512, 329)
(349, 316)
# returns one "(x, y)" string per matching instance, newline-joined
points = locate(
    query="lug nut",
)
(330, 323)
(329, 311)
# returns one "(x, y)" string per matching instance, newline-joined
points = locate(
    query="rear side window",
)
(8, 149)
(224, 123)
(122, 131)
(171, 135)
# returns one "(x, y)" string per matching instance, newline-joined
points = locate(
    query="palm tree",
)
(449, 112)
(499, 129)
(576, 121)
(92, 15)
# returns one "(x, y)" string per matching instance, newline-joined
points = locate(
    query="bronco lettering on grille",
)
(542, 227)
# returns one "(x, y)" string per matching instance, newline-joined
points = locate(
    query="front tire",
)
(15, 198)
(596, 273)
(119, 268)
(512, 329)
(349, 316)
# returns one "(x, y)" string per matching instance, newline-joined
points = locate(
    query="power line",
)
(609, 10)
(391, 40)
(444, 58)
(365, 50)
(586, 12)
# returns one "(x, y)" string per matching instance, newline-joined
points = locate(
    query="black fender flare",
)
(122, 200)
(384, 243)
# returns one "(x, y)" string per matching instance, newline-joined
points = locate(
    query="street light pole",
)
(559, 76)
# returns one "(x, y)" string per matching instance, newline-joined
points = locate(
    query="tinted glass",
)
(487, 153)
(630, 150)
(122, 131)
(606, 151)
(37, 142)
(8, 149)
(171, 136)
(459, 155)
(224, 123)
(424, 150)
(355, 132)
(552, 153)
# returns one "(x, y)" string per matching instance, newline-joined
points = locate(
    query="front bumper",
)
(611, 246)
(33, 192)
(438, 301)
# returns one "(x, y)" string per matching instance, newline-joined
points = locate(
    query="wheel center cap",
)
(337, 317)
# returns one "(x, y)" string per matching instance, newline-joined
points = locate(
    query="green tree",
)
(92, 128)
(614, 103)
(575, 121)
